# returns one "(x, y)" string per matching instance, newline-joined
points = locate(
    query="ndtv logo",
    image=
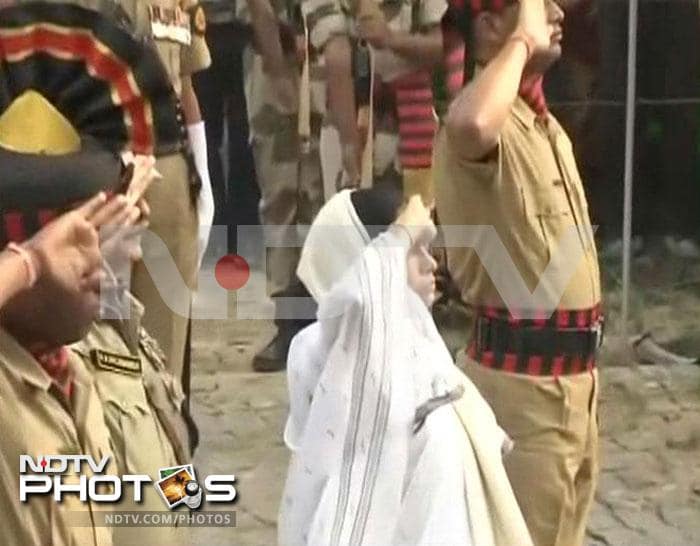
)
(55, 475)
(232, 273)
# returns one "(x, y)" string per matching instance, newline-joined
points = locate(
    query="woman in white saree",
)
(391, 444)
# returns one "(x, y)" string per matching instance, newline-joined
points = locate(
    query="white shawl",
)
(359, 476)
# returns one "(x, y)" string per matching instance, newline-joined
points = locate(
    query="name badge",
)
(113, 362)
(170, 24)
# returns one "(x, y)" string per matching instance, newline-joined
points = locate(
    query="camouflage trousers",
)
(291, 189)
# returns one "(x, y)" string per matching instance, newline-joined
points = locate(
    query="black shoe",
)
(273, 358)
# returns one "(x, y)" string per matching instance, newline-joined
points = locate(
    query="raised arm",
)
(477, 115)
(341, 101)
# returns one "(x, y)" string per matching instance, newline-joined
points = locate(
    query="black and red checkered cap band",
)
(109, 84)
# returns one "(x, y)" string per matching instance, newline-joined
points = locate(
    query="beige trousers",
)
(174, 221)
(554, 466)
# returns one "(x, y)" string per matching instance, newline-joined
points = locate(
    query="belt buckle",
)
(480, 333)
(599, 330)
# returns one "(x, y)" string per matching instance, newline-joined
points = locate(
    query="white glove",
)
(205, 201)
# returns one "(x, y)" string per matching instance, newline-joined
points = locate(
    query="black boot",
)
(273, 358)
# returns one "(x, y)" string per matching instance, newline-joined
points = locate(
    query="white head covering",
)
(336, 239)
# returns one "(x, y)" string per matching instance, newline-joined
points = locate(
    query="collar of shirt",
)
(25, 367)
(21, 363)
(522, 111)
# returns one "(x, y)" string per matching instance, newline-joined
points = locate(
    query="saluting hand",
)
(532, 22)
(416, 219)
(66, 252)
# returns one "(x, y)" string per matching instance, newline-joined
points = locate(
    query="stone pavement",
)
(649, 494)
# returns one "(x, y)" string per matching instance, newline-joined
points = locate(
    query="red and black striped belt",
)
(564, 343)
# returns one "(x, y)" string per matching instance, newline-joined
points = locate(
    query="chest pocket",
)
(550, 214)
(128, 418)
(168, 49)
(544, 193)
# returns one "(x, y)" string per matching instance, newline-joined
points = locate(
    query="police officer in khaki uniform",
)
(39, 417)
(50, 405)
(505, 166)
(287, 164)
(176, 27)
(142, 405)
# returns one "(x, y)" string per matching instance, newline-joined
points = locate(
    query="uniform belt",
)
(531, 349)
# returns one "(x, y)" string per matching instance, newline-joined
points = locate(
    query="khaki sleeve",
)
(488, 170)
(196, 56)
(431, 12)
(325, 19)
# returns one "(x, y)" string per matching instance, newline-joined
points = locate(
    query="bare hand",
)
(143, 174)
(352, 161)
(66, 251)
(416, 218)
(532, 22)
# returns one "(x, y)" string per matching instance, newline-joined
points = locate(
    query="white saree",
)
(363, 472)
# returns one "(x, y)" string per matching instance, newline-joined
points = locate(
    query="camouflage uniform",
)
(327, 18)
(290, 181)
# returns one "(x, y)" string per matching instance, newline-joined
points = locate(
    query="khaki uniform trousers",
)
(554, 465)
(174, 221)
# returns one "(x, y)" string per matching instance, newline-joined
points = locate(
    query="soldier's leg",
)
(549, 422)
(311, 196)
(278, 170)
(587, 477)
(310, 201)
(174, 222)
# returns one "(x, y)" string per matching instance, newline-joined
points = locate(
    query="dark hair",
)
(377, 208)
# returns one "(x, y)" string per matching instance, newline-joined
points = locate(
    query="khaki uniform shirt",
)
(532, 194)
(179, 58)
(38, 419)
(142, 405)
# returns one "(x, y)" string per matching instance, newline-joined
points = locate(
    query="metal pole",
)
(629, 162)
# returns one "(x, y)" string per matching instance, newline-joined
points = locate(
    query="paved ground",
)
(649, 493)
